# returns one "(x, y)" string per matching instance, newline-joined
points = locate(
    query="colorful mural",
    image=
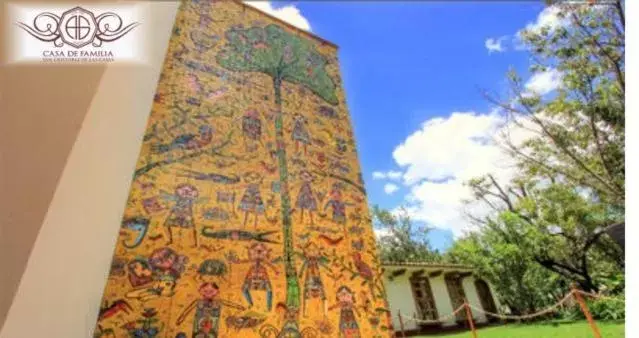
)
(247, 213)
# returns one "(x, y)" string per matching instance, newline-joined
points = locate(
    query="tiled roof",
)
(428, 265)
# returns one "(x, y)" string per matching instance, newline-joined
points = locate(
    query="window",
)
(457, 294)
(423, 296)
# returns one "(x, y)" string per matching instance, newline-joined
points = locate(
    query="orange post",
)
(584, 308)
(469, 316)
(401, 323)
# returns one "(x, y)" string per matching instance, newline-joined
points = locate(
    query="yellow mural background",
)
(187, 99)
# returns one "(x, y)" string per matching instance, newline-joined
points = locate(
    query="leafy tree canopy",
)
(280, 54)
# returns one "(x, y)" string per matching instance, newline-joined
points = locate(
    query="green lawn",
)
(572, 330)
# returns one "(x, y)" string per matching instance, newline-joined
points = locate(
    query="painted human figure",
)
(208, 310)
(181, 214)
(165, 261)
(252, 203)
(166, 268)
(306, 199)
(300, 133)
(251, 128)
(348, 327)
(337, 204)
(313, 285)
(139, 272)
(257, 276)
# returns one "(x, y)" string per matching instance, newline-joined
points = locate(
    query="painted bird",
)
(331, 241)
(139, 225)
(363, 269)
(187, 141)
(116, 307)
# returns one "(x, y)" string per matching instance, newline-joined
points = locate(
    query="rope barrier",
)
(492, 314)
(434, 321)
(600, 296)
(574, 293)
(528, 316)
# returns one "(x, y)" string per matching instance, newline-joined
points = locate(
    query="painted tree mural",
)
(284, 57)
(247, 214)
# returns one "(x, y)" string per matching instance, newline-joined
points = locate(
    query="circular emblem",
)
(77, 27)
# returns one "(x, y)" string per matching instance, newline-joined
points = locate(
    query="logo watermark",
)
(75, 34)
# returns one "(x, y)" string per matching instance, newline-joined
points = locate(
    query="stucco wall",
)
(473, 298)
(442, 299)
(400, 298)
(60, 291)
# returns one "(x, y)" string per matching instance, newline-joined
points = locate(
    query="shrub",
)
(600, 309)
(608, 309)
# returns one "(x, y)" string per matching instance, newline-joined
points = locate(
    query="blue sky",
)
(412, 73)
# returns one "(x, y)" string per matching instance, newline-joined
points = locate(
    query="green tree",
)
(521, 285)
(400, 242)
(283, 56)
(571, 183)
(580, 130)
(553, 225)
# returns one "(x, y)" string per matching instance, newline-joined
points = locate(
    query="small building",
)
(428, 292)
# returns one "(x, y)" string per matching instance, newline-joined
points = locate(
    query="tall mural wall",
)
(247, 214)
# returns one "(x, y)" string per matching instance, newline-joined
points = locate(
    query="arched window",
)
(485, 297)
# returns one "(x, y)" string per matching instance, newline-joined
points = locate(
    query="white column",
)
(60, 291)
(473, 298)
(442, 299)
(400, 298)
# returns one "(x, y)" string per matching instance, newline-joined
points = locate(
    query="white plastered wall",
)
(442, 299)
(400, 299)
(473, 298)
(59, 294)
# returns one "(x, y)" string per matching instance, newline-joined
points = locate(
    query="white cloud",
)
(495, 45)
(288, 13)
(390, 188)
(381, 232)
(391, 175)
(444, 154)
(444, 147)
(544, 82)
(550, 17)
(378, 175)
(394, 175)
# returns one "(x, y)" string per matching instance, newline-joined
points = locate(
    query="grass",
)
(570, 330)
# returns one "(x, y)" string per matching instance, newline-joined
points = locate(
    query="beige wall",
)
(68, 151)
(400, 297)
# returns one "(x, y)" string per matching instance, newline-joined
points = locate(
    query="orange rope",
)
(600, 296)
(528, 316)
(506, 317)
(434, 321)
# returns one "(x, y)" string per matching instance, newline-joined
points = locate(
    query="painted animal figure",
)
(101, 332)
(363, 269)
(238, 235)
(331, 241)
(213, 177)
(243, 322)
(216, 214)
(116, 307)
(138, 224)
(187, 141)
